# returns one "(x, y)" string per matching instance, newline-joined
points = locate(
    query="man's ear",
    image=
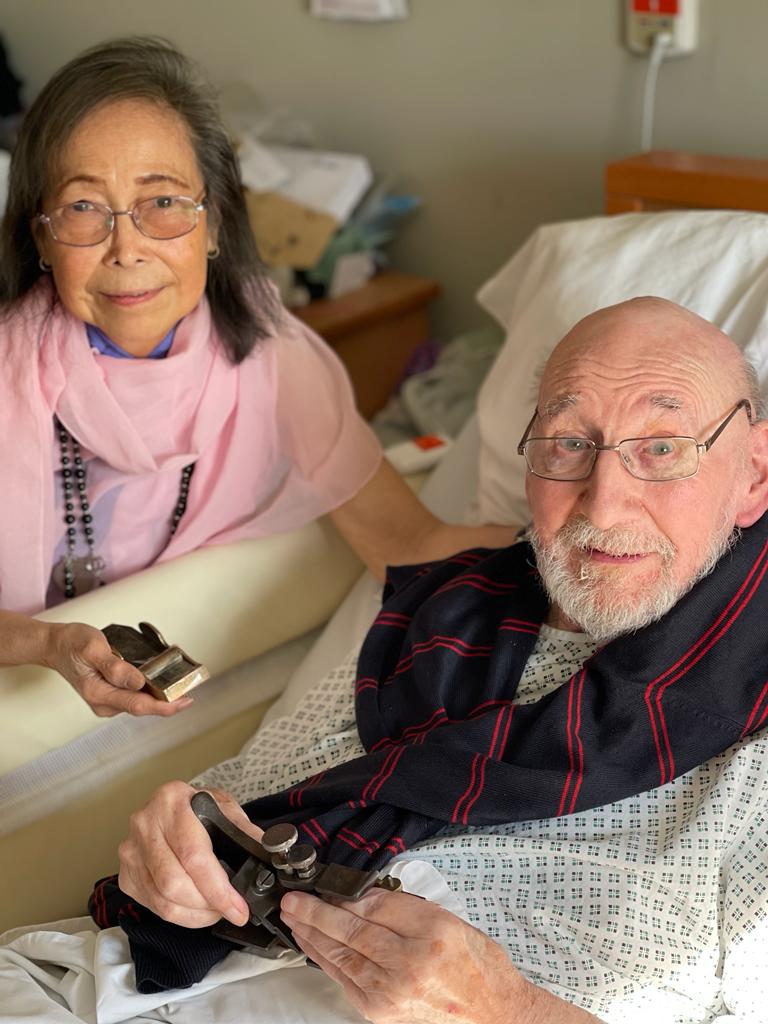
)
(755, 500)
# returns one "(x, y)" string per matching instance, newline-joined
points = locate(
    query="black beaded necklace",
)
(77, 575)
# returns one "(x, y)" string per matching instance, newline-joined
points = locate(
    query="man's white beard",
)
(600, 598)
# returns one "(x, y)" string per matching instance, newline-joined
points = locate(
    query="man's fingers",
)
(397, 912)
(367, 987)
(180, 872)
(341, 923)
(194, 853)
(232, 809)
(345, 961)
(329, 967)
(136, 881)
(149, 860)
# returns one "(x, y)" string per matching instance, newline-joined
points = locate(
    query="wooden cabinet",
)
(375, 330)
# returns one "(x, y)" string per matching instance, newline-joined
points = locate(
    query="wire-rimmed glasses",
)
(86, 223)
(646, 458)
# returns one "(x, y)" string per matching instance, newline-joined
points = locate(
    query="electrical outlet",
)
(645, 19)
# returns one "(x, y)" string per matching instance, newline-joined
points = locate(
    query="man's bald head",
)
(619, 546)
(649, 331)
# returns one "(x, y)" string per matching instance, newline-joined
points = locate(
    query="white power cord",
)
(661, 43)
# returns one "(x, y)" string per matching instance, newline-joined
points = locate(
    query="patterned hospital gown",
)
(654, 908)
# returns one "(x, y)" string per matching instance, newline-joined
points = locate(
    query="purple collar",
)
(97, 339)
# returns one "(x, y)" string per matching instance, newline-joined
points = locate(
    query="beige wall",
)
(499, 113)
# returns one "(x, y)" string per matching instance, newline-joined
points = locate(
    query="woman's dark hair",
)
(150, 68)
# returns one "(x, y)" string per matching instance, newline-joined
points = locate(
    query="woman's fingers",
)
(119, 672)
(106, 682)
(101, 694)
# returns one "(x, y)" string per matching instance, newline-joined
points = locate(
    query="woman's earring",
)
(45, 267)
(213, 254)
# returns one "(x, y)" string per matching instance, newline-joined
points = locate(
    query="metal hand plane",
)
(169, 672)
(263, 872)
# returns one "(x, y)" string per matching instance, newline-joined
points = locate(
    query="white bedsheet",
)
(69, 972)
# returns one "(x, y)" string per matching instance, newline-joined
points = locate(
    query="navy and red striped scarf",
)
(446, 743)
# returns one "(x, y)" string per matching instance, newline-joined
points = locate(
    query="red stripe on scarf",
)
(295, 795)
(468, 790)
(367, 683)
(518, 629)
(569, 737)
(503, 745)
(496, 731)
(480, 787)
(748, 727)
(371, 790)
(99, 903)
(580, 777)
(393, 619)
(694, 654)
(488, 586)
(413, 730)
(521, 622)
(357, 842)
(449, 643)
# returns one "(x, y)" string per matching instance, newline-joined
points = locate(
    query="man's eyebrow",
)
(559, 404)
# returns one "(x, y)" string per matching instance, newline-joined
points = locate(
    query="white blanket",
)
(69, 971)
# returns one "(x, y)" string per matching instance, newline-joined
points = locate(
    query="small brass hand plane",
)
(170, 673)
(263, 872)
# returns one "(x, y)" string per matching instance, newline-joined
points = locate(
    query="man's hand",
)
(402, 959)
(110, 685)
(167, 862)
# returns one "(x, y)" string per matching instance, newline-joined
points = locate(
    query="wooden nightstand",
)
(375, 330)
(671, 180)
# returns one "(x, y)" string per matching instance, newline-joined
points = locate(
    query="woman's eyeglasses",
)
(87, 223)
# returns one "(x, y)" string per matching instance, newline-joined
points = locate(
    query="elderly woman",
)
(155, 397)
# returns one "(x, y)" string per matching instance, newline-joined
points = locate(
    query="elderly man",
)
(593, 890)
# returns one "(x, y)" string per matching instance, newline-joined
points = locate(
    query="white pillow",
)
(714, 262)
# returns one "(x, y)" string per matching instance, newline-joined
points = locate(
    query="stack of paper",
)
(259, 169)
(332, 183)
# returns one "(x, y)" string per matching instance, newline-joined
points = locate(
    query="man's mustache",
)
(580, 534)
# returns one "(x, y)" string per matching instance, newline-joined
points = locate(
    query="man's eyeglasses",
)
(87, 223)
(647, 458)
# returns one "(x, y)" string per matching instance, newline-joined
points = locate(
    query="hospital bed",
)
(271, 617)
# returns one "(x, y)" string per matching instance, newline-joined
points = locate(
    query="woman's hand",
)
(110, 685)
(167, 862)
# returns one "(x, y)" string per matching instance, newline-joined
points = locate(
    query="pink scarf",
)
(144, 418)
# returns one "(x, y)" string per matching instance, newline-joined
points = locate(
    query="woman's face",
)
(132, 287)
